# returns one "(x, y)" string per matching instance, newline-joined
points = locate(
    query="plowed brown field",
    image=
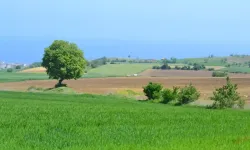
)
(205, 85)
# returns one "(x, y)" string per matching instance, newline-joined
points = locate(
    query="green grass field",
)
(13, 77)
(57, 121)
(237, 69)
(216, 61)
(117, 70)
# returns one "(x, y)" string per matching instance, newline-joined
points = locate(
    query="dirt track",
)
(110, 85)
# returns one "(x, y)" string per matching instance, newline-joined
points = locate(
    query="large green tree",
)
(63, 61)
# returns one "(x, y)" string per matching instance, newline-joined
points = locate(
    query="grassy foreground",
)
(53, 121)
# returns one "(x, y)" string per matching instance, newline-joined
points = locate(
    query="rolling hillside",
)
(216, 61)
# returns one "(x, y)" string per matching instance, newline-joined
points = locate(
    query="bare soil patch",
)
(205, 85)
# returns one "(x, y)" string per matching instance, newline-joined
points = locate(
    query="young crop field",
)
(53, 121)
(118, 70)
(110, 70)
(216, 61)
(237, 69)
(14, 77)
(206, 85)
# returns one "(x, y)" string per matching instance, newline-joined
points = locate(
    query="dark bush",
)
(18, 67)
(227, 96)
(156, 67)
(219, 74)
(228, 65)
(177, 67)
(165, 67)
(112, 62)
(210, 69)
(36, 64)
(188, 94)
(93, 65)
(185, 68)
(153, 90)
(198, 66)
(9, 70)
(169, 95)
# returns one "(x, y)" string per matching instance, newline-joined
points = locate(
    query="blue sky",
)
(163, 21)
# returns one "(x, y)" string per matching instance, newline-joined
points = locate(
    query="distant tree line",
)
(35, 64)
(122, 60)
(169, 61)
(237, 55)
(195, 66)
(235, 64)
(97, 62)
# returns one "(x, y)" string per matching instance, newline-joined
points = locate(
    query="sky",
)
(119, 27)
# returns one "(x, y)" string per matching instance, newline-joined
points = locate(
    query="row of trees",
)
(195, 66)
(237, 55)
(172, 60)
(97, 62)
(223, 97)
(117, 60)
(235, 64)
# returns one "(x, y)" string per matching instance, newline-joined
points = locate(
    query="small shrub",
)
(9, 70)
(156, 67)
(210, 69)
(188, 94)
(219, 74)
(184, 68)
(228, 65)
(177, 67)
(197, 66)
(93, 65)
(153, 90)
(165, 67)
(18, 67)
(227, 96)
(169, 95)
(112, 62)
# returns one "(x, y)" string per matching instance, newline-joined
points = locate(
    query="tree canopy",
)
(63, 61)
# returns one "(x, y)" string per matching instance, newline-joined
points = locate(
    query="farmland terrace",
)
(205, 85)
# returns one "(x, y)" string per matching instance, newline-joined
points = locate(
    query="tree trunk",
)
(60, 82)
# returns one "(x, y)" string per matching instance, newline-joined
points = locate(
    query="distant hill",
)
(241, 60)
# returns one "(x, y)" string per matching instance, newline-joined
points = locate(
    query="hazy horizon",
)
(31, 50)
(142, 28)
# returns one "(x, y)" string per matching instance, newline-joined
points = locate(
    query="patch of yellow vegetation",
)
(129, 92)
(34, 70)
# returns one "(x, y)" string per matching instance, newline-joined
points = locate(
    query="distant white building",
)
(2, 65)
(8, 66)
